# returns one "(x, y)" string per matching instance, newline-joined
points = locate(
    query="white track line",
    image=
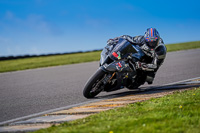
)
(181, 81)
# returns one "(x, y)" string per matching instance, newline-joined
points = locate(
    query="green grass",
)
(179, 113)
(183, 46)
(55, 60)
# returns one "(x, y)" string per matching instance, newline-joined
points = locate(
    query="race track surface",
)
(32, 91)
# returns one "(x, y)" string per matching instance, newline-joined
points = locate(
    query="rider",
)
(152, 45)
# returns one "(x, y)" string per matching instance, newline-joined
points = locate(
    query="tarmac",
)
(61, 115)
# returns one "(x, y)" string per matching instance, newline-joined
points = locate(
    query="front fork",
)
(109, 78)
(120, 70)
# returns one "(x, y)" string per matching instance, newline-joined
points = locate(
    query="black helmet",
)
(152, 37)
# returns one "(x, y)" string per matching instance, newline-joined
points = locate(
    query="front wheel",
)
(94, 85)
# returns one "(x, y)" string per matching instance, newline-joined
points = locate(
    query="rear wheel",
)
(94, 85)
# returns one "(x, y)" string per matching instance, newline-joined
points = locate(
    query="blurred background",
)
(49, 26)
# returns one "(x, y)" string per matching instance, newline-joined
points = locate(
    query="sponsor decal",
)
(117, 55)
(119, 64)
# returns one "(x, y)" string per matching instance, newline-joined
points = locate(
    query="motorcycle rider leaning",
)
(152, 45)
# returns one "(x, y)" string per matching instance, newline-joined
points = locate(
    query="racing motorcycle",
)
(117, 70)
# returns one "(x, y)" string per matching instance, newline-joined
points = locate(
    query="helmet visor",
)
(152, 44)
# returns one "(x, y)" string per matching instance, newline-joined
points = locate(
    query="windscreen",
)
(122, 49)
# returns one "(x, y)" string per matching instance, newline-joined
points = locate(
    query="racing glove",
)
(112, 41)
(145, 67)
(148, 51)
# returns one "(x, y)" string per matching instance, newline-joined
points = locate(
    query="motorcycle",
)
(117, 70)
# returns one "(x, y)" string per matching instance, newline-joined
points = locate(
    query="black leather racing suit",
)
(154, 57)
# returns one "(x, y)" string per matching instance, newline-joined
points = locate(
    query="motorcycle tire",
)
(92, 82)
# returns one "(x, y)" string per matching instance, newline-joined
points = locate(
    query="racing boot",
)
(150, 77)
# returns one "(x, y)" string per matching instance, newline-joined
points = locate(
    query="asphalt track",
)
(37, 90)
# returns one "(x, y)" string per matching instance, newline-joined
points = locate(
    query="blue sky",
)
(57, 26)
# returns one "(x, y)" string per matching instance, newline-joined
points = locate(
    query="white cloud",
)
(38, 23)
(31, 23)
(9, 15)
(15, 50)
(96, 23)
(20, 50)
(4, 41)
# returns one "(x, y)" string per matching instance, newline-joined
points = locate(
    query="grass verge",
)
(183, 46)
(37, 62)
(179, 112)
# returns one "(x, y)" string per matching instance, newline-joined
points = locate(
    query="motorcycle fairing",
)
(118, 66)
(123, 49)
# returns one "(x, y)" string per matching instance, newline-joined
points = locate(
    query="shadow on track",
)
(148, 90)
